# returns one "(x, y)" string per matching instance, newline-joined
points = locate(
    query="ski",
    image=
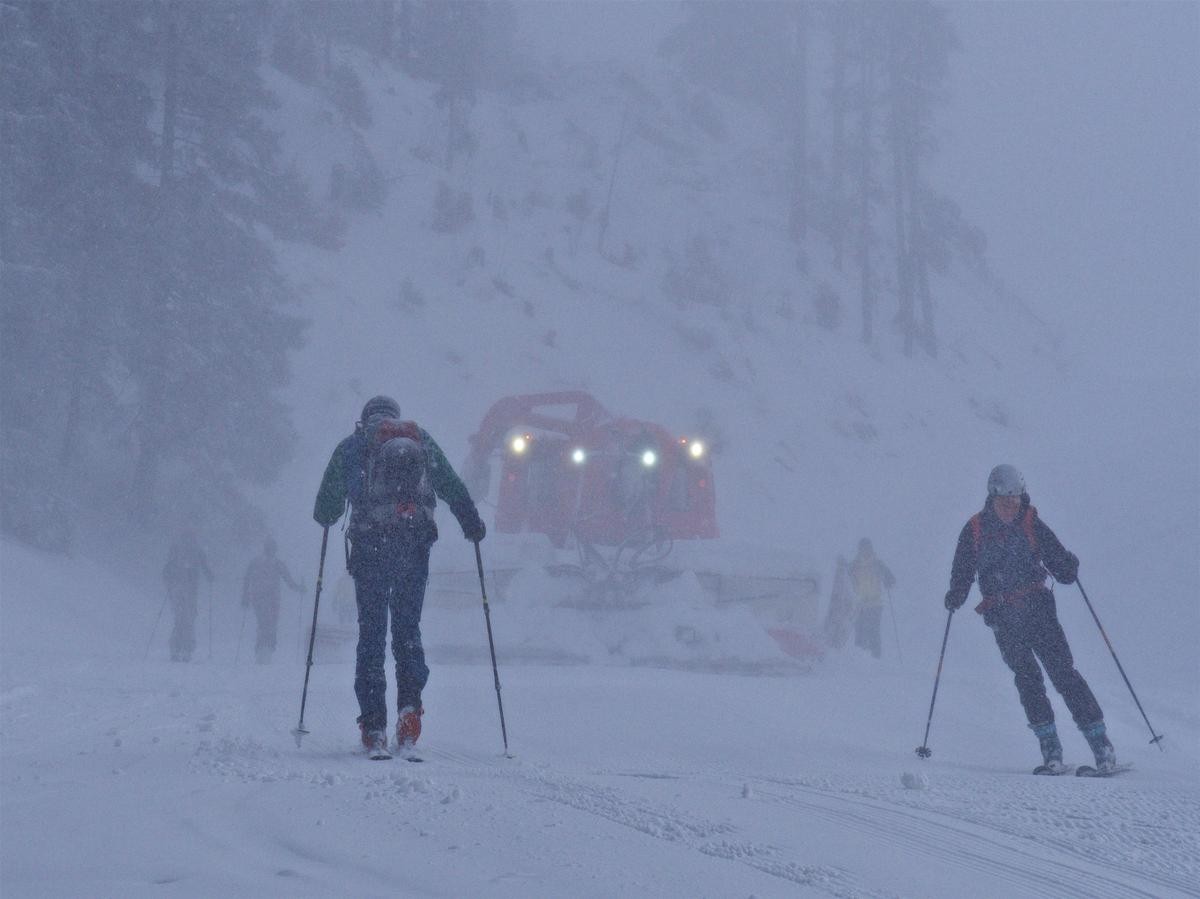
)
(1053, 770)
(1089, 771)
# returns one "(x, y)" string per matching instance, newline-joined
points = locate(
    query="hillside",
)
(817, 438)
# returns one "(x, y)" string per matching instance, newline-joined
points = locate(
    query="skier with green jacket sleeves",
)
(390, 539)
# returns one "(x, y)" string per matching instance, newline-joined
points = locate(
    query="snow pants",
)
(389, 579)
(1028, 632)
(866, 629)
(183, 634)
(266, 614)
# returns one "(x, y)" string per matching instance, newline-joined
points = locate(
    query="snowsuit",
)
(260, 591)
(869, 577)
(390, 571)
(1012, 561)
(841, 607)
(185, 564)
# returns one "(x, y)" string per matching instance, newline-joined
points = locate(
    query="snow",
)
(122, 774)
(129, 777)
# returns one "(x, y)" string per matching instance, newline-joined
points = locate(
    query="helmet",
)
(1005, 481)
(380, 405)
(269, 546)
(864, 546)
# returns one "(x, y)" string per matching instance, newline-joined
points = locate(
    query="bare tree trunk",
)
(69, 299)
(604, 214)
(386, 36)
(152, 386)
(901, 133)
(798, 215)
(404, 27)
(864, 192)
(919, 256)
(837, 108)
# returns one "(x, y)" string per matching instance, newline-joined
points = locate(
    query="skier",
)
(260, 591)
(841, 606)
(185, 564)
(1011, 550)
(390, 471)
(869, 577)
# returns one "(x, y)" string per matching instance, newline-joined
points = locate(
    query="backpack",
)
(395, 494)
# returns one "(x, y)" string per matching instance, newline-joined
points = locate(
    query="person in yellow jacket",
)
(869, 578)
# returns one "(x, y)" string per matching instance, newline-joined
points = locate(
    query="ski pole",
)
(487, 616)
(154, 630)
(923, 750)
(1155, 738)
(312, 637)
(895, 627)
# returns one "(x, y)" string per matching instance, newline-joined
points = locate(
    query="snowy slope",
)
(630, 781)
(818, 440)
(124, 778)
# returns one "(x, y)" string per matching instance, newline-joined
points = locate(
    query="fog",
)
(864, 251)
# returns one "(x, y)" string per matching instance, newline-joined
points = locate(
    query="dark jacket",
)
(1009, 564)
(345, 479)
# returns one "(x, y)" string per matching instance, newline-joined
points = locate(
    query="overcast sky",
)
(1072, 138)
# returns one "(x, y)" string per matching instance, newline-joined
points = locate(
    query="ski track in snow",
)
(988, 824)
(1021, 835)
(985, 824)
(710, 838)
(1117, 840)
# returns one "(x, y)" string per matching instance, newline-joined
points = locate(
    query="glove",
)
(954, 600)
(1070, 569)
(472, 525)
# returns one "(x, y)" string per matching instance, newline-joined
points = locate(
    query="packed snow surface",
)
(125, 776)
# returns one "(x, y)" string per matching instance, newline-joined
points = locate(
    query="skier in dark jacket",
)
(185, 564)
(260, 591)
(390, 537)
(1011, 550)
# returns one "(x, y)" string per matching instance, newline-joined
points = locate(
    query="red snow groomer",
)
(571, 470)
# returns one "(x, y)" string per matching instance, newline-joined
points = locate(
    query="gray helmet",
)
(380, 405)
(1005, 481)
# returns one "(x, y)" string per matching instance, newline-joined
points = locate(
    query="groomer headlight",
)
(578, 456)
(649, 458)
(696, 449)
(519, 444)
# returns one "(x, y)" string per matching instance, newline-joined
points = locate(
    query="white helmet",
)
(1005, 481)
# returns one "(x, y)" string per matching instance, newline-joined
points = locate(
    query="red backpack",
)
(396, 485)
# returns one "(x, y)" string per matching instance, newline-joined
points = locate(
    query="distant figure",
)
(260, 591)
(185, 564)
(869, 577)
(841, 607)
(1011, 551)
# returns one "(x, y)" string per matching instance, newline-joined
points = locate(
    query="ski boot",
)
(408, 726)
(1097, 737)
(1052, 761)
(374, 741)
